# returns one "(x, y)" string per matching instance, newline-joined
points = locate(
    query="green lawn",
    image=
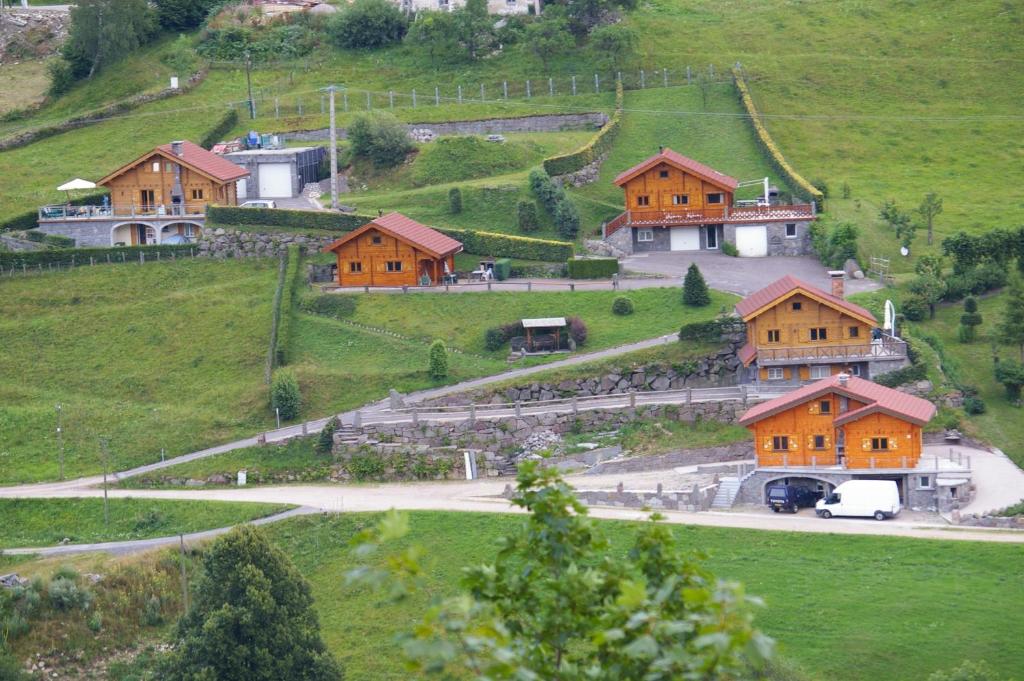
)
(167, 355)
(45, 522)
(847, 608)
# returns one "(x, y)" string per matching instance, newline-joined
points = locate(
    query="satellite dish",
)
(890, 318)
(904, 251)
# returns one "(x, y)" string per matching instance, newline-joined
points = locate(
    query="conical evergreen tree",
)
(695, 289)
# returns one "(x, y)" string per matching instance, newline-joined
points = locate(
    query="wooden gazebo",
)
(544, 334)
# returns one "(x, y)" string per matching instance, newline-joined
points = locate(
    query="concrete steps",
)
(728, 488)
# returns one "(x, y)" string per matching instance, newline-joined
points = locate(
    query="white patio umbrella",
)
(77, 183)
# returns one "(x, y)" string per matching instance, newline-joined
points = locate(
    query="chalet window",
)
(376, 239)
(797, 307)
(879, 444)
(643, 200)
(780, 443)
(924, 482)
(645, 235)
(819, 334)
(854, 370)
(825, 407)
(355, 267)
(715, 198)
(394, 265)
(662, 174)
(190, 231)
(680, 199)
(775, 374)
(197, 194)
(854, 332)
(773, 335)
(156, 166)
(819, 442)
(821, 371)
(790, 230)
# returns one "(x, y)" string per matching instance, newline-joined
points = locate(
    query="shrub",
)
(915, 308)
(834, 243)
(65, 595)
(577, 330)
(325, 439)
(454, 200)
(74, 257)
(622, 306)
(710, 331)
(284, 394)
(368, 24)
(1011, 374)
(969, 320)
(335, 306)
(592, 268)
(599, 144)
(695, 289)
(365, 466)
(729, 248)
(438, 368)
(974, 405)
(526, 216)
(494, 338)
(182, 15)
(546, 191)
(228, 216)
(502, 269)
(379, 137)
(567, 219)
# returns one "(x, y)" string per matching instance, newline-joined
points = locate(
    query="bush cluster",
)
(379, 137)
(264, 43)
(774, 155)
(834, 243)
(975, 281)
(284, 394)
(555, 201)
(599, 144)
(526, 216)
(592, 268)
(368, 24)
(496, 337)
(622, 306)
(712, 330)
(73, 257)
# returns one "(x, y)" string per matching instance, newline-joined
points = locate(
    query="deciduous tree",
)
(101, 33)
(379, 137)
(183, 15)
(548, 39)
(368, 24)
(1011, 328)
(614, 45)
(435, 32)
(474, 28)
(930, 207)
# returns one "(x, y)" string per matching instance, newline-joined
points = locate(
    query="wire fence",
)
(273, 103)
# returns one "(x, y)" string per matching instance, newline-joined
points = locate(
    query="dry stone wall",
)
(222, 242)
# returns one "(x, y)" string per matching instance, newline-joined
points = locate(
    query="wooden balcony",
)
(64, 212)
(715, 215)
(886, 348)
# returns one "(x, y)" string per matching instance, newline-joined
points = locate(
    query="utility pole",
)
(248, 83)
(106, 501)
(60, 433)
(184, 576)
(334, 152)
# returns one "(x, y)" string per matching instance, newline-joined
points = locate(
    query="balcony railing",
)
(887, 347)
(64, 212)
(700, 216)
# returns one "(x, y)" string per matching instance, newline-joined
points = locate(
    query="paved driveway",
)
(739, 275)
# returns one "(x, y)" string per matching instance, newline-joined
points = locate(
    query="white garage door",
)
(684, 238)
(275, 180)
(752, 241)
(242, 188)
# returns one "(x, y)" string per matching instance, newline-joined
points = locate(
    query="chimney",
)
(843, 378)
(178, 147)
(837, 277)
(661, 148)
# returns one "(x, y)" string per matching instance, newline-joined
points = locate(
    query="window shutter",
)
(767, 443)
(828, 441)
(865, 444)
(794, 442)
(813, 409)
(810, 442)
(892, 443)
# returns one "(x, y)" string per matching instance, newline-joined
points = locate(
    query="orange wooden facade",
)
(797, 321)
(811, 438)
(375, 255)
(665, 187)
(146, 186)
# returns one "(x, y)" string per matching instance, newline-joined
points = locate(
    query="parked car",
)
(259, 203)
(790, 498)
(500, 139)
(861, 498)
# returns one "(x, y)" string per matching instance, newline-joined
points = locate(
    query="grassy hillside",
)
(847, 608)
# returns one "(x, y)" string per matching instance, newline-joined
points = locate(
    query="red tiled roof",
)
(790, 284)
(206, 162)
(408, 230)
(666, 155)
(877, 398)
(747, 354)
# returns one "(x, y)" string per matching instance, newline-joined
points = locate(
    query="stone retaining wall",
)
(737, 451)
(971, 520)
(488, 126)
(668, 500)
(222, 242)
(588, 174)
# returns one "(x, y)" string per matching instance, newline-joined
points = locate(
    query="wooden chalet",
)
(840, 421)
(394, 250)
(797, 332)
(674, 203)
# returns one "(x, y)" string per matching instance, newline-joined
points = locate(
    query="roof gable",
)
(408, 230)
(876, 398)
(194, 157)
(788, 286)
(683, 163)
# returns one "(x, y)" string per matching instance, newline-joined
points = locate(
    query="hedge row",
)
(711, 331)
(73, 257)
(800, 186)
(215, 134)
(589, 152)
(275, 320)
(592, 268)
(289, 298)
(279, 217)
(509, 246)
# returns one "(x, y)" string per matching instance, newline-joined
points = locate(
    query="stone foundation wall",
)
(588, 174)
(971, 520)
(668, 500)
(221, 242)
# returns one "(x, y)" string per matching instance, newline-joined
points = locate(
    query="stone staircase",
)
(348, 436)
(507, 467)
(728, 488)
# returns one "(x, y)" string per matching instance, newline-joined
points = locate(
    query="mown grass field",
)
(846, 608)
(166, 355)
(46, 522)
(22, 85)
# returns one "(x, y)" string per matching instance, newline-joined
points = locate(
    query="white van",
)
(862, 498)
